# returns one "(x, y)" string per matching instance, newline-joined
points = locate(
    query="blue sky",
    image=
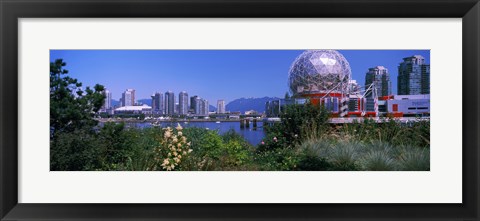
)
(210, 74)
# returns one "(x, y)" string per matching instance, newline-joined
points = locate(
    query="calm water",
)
(254, 137)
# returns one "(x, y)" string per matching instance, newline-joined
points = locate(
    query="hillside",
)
(246, 104)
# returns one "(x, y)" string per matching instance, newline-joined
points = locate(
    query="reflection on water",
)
(251, 135)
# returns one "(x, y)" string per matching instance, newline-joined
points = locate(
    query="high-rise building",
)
(183, 103)
(194, 104)
(107, 105)
(206, 109)
(202, 107)
(169, 103)
(413, 76)
(128, 97)
(220, 107)
(158, 106)
(381, 79)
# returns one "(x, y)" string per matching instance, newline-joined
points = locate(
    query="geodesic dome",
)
(319, 71)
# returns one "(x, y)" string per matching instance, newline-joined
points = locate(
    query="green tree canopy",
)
(71, 107)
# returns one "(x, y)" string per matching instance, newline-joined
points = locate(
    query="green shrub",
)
(377, 161)
(414, 159)
(212, 151)
(344, 155)
(313, 163)
(302, 121)
(282, 159)
(313, 155)
(74, 151)
(390, 131)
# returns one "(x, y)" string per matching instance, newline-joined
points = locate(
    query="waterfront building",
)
(158, 105)
(133, 110)
(407, 105)
(220, 107)
(274, 108)
(169, 103)
(413, 76)
(323, 77)
(251, 112)
(107, 105)
(380, 77)
(193, 104)
(205, 107)
(183, 103)
(128, 98)
(202, 107)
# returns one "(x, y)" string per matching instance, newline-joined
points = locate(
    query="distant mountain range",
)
(115, 103)
(241, 104)
(145, 101)
(246, 104)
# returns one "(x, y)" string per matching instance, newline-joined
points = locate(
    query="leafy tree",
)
(71, 107)
(299, 122)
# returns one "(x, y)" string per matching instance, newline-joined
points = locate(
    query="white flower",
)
(180, 133)
(179, 127)
(167, 134)
(165, 162)
(190, 150)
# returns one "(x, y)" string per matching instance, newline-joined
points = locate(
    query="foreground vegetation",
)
(287, 146)
(303, 140)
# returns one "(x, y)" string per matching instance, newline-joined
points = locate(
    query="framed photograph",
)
(251, 110)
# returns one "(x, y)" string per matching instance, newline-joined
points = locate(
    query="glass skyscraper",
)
(107, 105)
(183, 103)
(158, 106)
(220, 106)
(128, 97)
(169, 103)
(193, 104)
(380, 76)
(204, 107)
(413, 76)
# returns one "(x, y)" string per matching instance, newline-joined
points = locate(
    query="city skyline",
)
(210, 74)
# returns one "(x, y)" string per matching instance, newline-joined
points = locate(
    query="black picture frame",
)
(12, 10)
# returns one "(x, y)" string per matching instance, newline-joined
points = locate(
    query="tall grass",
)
(348, 155)
(390, 130)
(414, 159)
